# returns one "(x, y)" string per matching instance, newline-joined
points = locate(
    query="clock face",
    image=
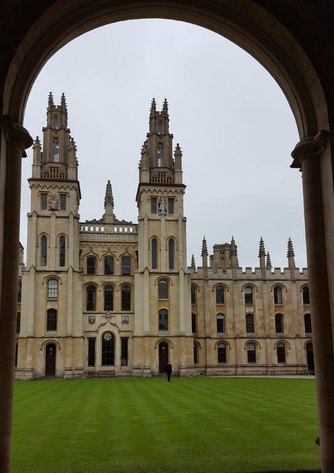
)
(107, 336)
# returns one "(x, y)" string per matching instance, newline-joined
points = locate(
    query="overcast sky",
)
(232, 121)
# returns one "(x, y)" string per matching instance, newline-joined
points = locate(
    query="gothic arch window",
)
(220, 323)
(250, 328)
(108, 265)
(251, 352)
(62, 250)
(163, 319)
(171, 253)
(220, 295)
(55, 123)
(222, 353)
(281, 355)
(154, 253)
(91, 298)
(108, 349)
(55, 150)
(126, 298)
(160, 155)
(248, 292)
(126, 265)
(51, 320)
(307, 323)
(306, 295)
(44, 250)
(91, 264)
(278, 295)
(163, 289)
(52, 286)
(193, 294)
(108, 298)
(279, 323)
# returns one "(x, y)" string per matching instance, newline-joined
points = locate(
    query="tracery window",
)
(251, 352)
(278, 295)
(108, 349)
(52, 289)
(220, 293)
(55, 150)
(221, 351)
(160, 155)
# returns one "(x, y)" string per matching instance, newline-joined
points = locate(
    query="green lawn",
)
(203, 424)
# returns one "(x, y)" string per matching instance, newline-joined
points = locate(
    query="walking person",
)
(169, 370)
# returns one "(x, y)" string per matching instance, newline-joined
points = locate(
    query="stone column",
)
(313, 156)
(16, 139)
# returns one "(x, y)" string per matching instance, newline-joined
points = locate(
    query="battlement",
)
(250, 273)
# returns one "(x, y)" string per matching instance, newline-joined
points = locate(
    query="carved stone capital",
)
(309, 147)
(16, 134)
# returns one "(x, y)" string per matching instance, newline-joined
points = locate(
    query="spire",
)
(108, 205)
(153, 107)
(50, 102)
(165, 107)
(268, 263)
(291, 255)
(262, 253)
(193, 264)
(204, 253)
(63, 101)
(234, 254)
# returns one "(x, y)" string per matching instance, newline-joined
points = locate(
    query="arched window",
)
(51, 320)
(19, 291)
(163, 319)
(220, 323)
(308, 323)
(278, 295)
(221, 350)
(248, 295)
(91, 264)
(18, 323)
(108, 298)
(193, 294)
(251, 352)
(108, 265)
(91, 298)
(220, 295)
(126, 298)
(108, 349)
(194, 323)
(154, 253)
(126, 265)
(280, 352)
(171, 253)
(306, 295)
(163, 289)
(62, 254)
(250, 323)
(160, 155)
(44, 250)
(279, 324)
(52, 289)
(55, 150)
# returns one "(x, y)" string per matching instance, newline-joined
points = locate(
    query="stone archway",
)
(296, 53)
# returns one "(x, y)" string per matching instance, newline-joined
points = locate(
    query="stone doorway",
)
(50, 359)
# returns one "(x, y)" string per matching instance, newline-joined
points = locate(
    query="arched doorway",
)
(163, 356)
(296, 53)
(108, 349)
(310, 357)
(50, 359)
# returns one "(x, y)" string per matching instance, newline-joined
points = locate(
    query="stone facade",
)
(116, 298)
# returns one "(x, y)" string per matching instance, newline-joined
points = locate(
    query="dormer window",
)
(160, 155)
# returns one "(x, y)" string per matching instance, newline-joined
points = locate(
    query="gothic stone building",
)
(114, 298)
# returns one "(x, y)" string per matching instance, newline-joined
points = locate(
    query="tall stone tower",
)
(163, 311)
(52, 277)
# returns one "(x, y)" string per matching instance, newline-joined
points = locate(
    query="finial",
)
(178, 151)
(204, 247)
(108, 199)
(165, 106)
(290, 252)
(268, 263)
(72, 144)
(262, 251)
(153, 107)
(63, 100)
(50, 100)
(37, 144)
(193, 264)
